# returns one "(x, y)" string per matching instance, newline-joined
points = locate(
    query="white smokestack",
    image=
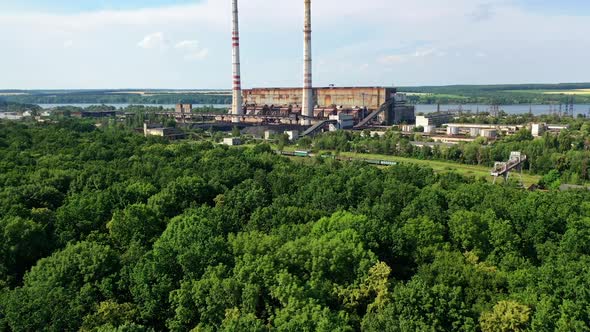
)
(308, 104)
(237, 80)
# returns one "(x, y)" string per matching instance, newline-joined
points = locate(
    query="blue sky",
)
(186, 44)
(565, 6)
(73, 6)
(570, 7)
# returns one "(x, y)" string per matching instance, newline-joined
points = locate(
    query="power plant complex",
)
(309, 106)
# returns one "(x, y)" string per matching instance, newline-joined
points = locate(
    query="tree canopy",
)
(105, 230)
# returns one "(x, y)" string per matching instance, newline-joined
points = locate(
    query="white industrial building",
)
(407, 128)
(537, 129)
(452, 131)
(489, 133)
(433, 119)
(430, 129)
(343, 121)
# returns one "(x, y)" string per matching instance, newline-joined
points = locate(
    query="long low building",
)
(356, 101)
(486, 126)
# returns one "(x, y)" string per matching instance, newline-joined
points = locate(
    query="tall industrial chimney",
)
(308, 104)
(237, 81)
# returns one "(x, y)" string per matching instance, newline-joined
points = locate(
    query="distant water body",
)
(119, 106)
(510, 109)
(420, 108)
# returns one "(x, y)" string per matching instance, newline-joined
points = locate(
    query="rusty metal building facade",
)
(184, 108)
(354, 97)
(356, 101)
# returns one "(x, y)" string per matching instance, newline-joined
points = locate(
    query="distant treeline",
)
(107, 97)
(451, 89)
(497, 94)
(6, 106)
(453, 94)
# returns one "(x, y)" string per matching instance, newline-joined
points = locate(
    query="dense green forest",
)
(104, 230)
(6, 106)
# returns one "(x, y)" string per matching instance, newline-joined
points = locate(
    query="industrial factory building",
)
(360, 102)
(307, 105)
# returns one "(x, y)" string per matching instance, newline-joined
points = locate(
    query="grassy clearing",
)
(436, 95)
(569, 92)
(437, 166)
(554, 92)
(445, 166)
(8, 94)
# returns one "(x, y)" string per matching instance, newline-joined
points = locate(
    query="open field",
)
(436, 95)
(554, 92)
(12, 93)
(437, 166)
(569, 92)
(444, 166)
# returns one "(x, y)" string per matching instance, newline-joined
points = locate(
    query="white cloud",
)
(413, 42)
(190, 45)
(193, 50)
(395, 59)
(197, 55)
(392, 59)
(154, 40)
(424, 53)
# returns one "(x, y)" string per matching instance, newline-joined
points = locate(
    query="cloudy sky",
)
(187, 44)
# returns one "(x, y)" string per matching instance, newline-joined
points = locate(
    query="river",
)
(119, 106)
(510, 109)
(420, 108)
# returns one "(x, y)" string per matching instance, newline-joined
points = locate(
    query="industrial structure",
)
(309, 106)
(236, 109)
(166, 132)
(515, 163)
(382, 105)
(184, 108)
(308, 103)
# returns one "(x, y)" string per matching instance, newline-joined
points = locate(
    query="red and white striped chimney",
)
(308, 104)
(237, 81)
